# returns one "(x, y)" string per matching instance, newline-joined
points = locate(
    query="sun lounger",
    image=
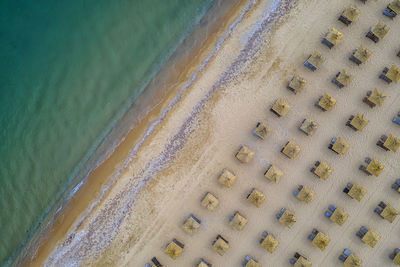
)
(339, 145)
(396, 120)
(332, 38)
(209, 201)
(227, 178)
(308, 127)
(314, 61)
(245, 154)
(349, 259)
(261, 130)
(286, 217)
(389, 143)
(360, 55)
(393, 9)
(299, 261)
(280, 107)
(191, 224)
(296, 84)
(386, 211)
(374, 98)
(154, 263)
(273, 174)
(238, 221)
(256, 197)
(304, 194)
(326, 102)
(390, 75)
(355, 191)
(373, 167)
(368, 236)
(336, 215)
(250, 262)
(322, 170)
(349, 15)
(342, 79)
(220, 245)
(396, 185)
(204, 263)
(174, 249)
(357, 122)
(291, 150)
(378, 31)
(395, 256)
(319, 239)
(268, 242)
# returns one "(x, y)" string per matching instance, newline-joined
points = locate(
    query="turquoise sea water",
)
(69, 70)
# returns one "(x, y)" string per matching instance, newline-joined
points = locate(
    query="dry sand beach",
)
(230, 90)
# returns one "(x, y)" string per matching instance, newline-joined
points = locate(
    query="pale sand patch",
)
(226, 122)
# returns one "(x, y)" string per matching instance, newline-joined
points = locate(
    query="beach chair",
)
(268, 242)
(227, 178)
(332, 38)
(245, 154)
(336, 215)
(393, 9)
(386, 211)
(349, 15)
(368, 236)
(191, 224)
(256, 197)
(389, 143)
(319, 239)
(342, 79)
(314, 61)
(154, 263)
(322, 170)
(220, 245)
(374, 98)
(273, 174)
(286, 217)
(262, 130)
(390, 75)
(204, 263)
(339, 146)
(355, 191)
(308, 127)
(326, 102)
(238, 221)
(304, 194)
(296, 84)
(299, 261)
(349, 259)
(396, 120)
(395, 256)
(209, 201)
(174, 249)
(360, 55)
(280, 107)
(378, 31)
(373, 167)
(357, 122)
(396, 185)
(250, 262)
(291, 150)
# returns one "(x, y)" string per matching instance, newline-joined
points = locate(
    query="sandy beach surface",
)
(258, 52)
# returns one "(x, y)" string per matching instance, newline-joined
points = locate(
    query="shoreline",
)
(155, 100)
